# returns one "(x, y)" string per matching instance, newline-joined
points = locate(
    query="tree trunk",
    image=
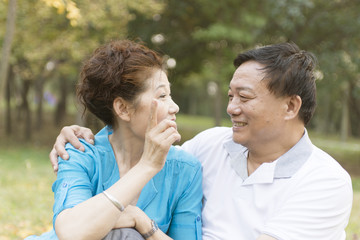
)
(61, 106)
(6, 49)
(8, 122)
(218, 94)
(193, 103)
(345, 116)
(39, 96)
(323, 120)
(26, 110)
(217, 106)
(80, 117)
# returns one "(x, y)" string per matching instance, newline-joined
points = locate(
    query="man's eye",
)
(162, 96)
(245, 98)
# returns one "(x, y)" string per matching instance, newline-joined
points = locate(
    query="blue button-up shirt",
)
(172, 197)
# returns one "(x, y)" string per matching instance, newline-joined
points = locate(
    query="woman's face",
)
(159, 89)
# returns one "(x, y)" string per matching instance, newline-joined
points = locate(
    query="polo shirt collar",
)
(285, 166)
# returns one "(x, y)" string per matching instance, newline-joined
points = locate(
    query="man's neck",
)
(267, 153)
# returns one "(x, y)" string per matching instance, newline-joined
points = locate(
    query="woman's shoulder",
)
(179, 162)
(94, 155)
(89, 154)
(180, 156)
(101, 144)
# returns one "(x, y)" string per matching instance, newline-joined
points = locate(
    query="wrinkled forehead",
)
(158, 79)
(250, 72)
(151, 77)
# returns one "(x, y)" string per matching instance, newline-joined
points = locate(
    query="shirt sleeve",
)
(73, 184)
(319, 209)
(190, 146)
(186, 219)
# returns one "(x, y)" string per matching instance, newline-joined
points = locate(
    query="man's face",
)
(256, 113)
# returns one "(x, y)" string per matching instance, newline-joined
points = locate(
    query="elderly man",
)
(263, 178)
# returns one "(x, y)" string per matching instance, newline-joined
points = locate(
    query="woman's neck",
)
(127, 149)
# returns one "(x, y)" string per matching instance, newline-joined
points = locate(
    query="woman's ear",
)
(121, 109)
(293, 107)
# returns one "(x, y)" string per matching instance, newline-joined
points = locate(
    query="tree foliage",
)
(203, 36)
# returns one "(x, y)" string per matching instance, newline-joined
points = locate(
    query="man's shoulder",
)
(215, 133)
(325, 163)
(207, 139)
(209, 142)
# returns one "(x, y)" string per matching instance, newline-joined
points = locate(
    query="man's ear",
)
(122, 108)
(293, 107)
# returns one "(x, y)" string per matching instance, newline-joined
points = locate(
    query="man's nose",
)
(233, 108)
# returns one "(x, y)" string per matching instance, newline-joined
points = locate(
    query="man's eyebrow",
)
(242, 88)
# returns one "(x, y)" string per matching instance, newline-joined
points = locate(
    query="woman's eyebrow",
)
(160, 86)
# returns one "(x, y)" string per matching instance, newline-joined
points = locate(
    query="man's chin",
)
(238, 140)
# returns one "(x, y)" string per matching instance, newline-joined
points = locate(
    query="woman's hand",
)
(69, 134)
(158, 139)
(134, 217)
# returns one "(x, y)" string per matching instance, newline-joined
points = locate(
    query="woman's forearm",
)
(95, 217)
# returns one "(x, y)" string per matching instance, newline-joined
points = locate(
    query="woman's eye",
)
(162, 96)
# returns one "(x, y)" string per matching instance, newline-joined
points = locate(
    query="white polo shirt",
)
(305, 194)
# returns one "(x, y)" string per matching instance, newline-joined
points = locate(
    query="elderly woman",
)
(132, 177)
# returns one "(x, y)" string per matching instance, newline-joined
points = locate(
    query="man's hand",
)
(69, 134)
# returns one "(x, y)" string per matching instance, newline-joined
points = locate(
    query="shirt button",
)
(198, 218)
(64, 185)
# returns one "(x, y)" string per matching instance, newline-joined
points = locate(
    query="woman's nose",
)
(174, 108)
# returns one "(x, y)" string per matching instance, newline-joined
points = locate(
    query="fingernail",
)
(82, 149)
(91, 141)
(65, 156)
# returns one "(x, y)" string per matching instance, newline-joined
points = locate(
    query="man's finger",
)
(59, 146)
(71, 139)
(89, 140)
(54, 159)
(84, 133)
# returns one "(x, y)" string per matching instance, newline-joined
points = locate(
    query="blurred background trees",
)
(199, 38)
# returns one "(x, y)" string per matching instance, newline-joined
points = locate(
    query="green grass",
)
(353, 228)
(25, 192)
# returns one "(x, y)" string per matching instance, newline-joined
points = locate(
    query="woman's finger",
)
(153, 115)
